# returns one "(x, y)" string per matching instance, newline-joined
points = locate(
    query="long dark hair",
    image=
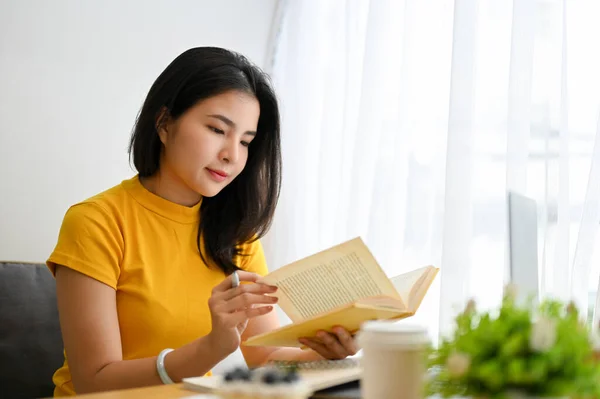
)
(243, 211)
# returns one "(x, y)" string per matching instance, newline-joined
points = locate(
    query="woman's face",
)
(207, 146)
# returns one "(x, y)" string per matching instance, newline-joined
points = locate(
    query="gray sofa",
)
(31, 347)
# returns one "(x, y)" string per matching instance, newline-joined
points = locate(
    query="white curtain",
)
(406, 122)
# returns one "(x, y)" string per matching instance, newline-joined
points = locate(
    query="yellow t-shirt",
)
(145, 248)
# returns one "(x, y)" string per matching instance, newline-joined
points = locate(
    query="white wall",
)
(73, 75)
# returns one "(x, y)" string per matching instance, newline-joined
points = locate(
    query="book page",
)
(405, 282)
(384, 302)
(329, 279)
(421, 287)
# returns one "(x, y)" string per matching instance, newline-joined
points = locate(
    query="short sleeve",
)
(254, 260)
(89, 242)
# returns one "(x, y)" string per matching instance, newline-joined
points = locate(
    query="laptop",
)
(523, 245)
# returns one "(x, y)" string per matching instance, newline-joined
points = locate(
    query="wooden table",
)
(174, 391)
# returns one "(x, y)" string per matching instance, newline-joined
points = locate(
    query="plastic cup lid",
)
(393, 333)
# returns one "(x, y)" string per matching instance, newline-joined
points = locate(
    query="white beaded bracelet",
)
(160, 366)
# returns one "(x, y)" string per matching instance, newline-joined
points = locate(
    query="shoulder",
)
(104, 206)
(111, 199)
(90, 239)
(87, 216)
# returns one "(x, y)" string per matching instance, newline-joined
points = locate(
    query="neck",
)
(167, 185)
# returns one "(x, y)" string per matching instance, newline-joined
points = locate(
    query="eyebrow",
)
(230, 123)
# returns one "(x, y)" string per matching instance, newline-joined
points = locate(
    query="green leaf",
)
(498, 344)
(515, 372)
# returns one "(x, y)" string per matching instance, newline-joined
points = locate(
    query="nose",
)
(230, 151)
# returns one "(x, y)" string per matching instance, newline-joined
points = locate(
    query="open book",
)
(344, 286)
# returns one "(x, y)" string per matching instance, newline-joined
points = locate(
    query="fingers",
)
(256, 288)
(242, 275)
(231, 307)
(332, 343)
(246, 300)
(249, 313)
(318, 347)
(337, 345)
(347, 340)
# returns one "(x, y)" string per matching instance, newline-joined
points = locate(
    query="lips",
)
(217, 175)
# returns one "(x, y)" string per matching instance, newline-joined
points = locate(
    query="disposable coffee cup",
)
(393, 360)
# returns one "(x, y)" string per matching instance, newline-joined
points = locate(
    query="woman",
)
(147, 265)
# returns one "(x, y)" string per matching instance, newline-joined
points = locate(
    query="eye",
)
(245, 143)
(216, 130)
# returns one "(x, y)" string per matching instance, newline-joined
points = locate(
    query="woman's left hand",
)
(337, 345)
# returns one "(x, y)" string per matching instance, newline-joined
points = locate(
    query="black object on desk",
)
(350, 390)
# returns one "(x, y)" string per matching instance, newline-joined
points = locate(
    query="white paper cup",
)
(393, 360)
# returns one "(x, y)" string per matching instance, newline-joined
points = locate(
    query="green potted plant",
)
(516, 352)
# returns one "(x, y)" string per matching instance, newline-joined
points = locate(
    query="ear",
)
(162, 124)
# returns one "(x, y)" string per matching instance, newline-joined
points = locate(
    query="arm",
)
(328, 346)
(90, 329)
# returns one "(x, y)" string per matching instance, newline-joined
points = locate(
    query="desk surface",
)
(176, 391)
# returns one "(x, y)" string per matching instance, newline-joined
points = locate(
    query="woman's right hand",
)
(232, 307)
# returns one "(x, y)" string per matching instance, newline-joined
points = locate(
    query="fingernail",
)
(274, 299)
(273, 288)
